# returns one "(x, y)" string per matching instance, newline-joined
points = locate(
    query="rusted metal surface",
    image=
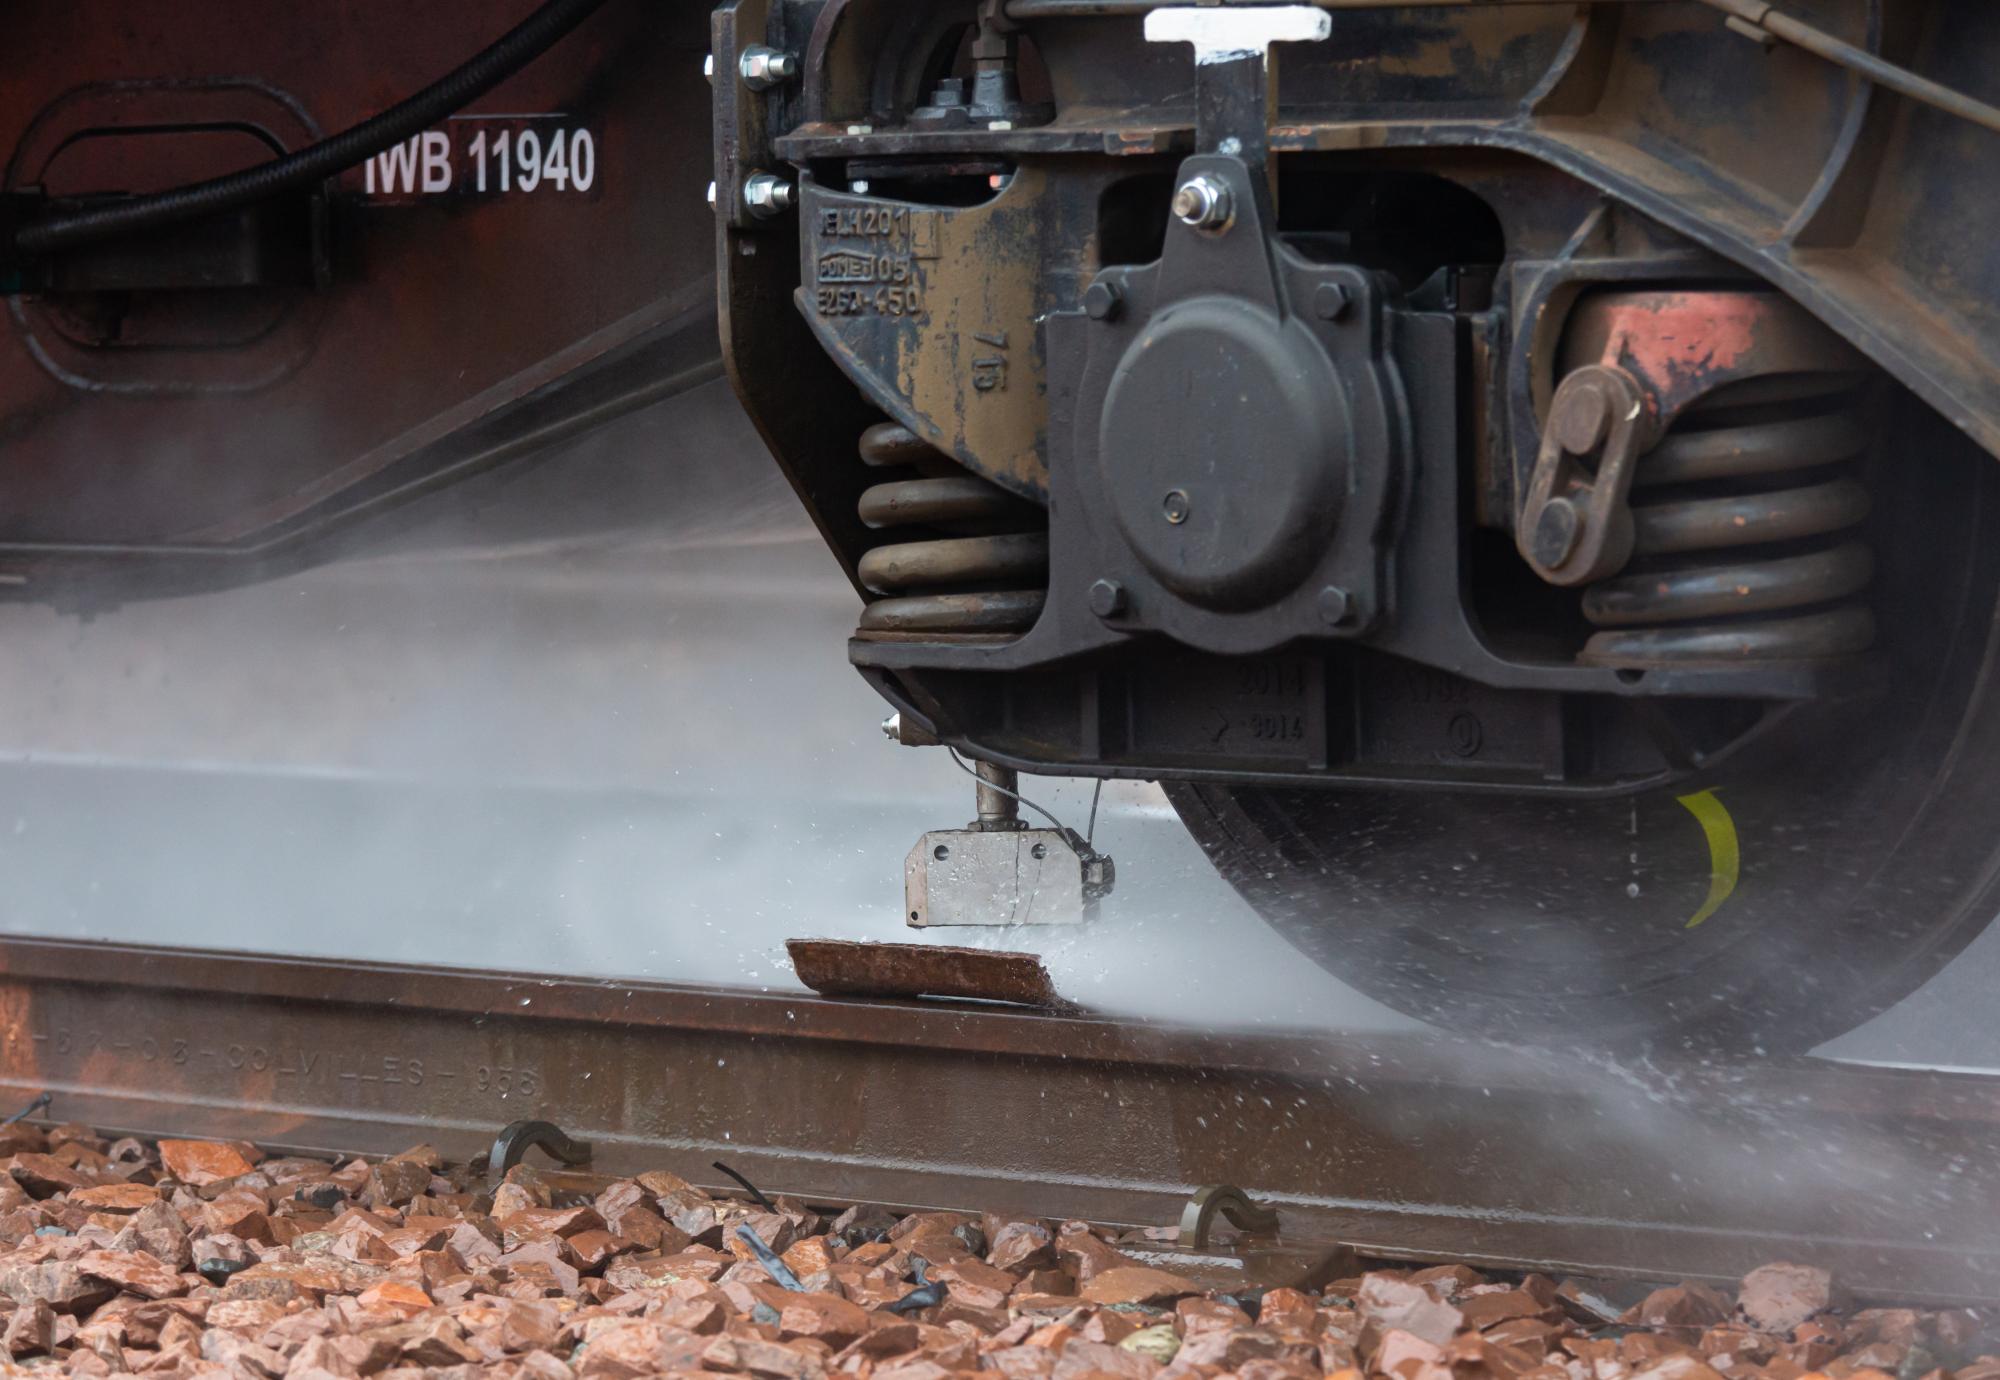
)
(1840, 191)
(988, 578)
(1612, 148)
(1683, 346)
(1409, 1146)
(934, 310)
(844, 968)
(1675, 356)
(910, 566)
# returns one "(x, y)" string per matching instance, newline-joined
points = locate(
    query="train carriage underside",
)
(1521, 474)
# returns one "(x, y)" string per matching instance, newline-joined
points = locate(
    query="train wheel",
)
(1772, 904)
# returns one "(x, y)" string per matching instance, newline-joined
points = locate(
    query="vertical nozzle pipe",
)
(996, 792)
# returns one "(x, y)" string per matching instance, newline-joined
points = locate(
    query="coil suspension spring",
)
(1743, 521)
(969, 558)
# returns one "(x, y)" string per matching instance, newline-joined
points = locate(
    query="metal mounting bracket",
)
(1576, 526)
(1233, 1203)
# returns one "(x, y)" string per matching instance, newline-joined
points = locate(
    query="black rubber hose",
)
(507, 55)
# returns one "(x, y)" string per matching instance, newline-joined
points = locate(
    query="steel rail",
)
(1402, 1146)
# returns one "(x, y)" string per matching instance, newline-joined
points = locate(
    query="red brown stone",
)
(366, 1286)
(1814, 1343)
(974, 1283)
(1080, 1359)
(1778, 1297)
(824, 1317)
(202, 1161)
(593, 1248)
(1124, 1284)
(1684, 1305)
(1403, 1354)
(1196, 1315)
(43, 1176)
(1019, 1245)
(1022, 1362)
(395, 1295)
(1388, 1303)
(1448, 1281)
(1228, 1347)
(1483, 1310)
(1081, 1252)
(61, 1284)
(31, 1330)
(647, 1230)
(119, 1197)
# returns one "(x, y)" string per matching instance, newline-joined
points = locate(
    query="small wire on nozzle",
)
(1081, 842)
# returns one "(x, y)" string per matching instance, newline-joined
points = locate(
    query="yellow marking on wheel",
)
(1725, 855)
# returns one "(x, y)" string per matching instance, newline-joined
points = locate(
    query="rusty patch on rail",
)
(843, 968)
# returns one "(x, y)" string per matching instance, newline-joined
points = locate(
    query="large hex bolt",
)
(763, 68)
(1336, 606)
(768, 195)
(1203, 203)
(1332, 302)
(1108, 599)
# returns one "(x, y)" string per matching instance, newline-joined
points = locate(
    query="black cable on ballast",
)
(458, 88)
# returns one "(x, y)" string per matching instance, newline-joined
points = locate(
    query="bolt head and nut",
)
(763, 68)
(1203, 203)
(1108, 599)
(1175, 506)
(1332, 301)
(768, 195)
(1583, 423)
(1101, 300)
(1335, 606)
